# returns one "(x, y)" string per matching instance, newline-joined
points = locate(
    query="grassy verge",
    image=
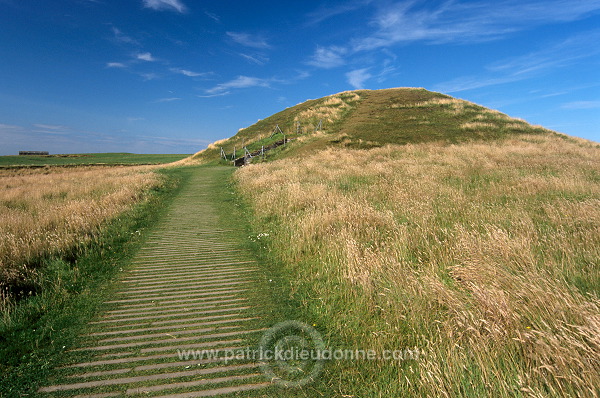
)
(34, 334)
(481, 256)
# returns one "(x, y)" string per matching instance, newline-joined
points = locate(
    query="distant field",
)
(88, 159)
(46, 214)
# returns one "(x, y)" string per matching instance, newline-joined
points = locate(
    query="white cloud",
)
(582, 105)
(52, 129)
(401, 22)
(566, 52)
(51, 132)
(239, 82)
(121, 37)
(116, 65)
(324, 12)
(214, 95)
(145, 57)
(171, 99)
(328, 57)
(255, 59)
(358, 77)
(171, 5)
(149, 76)
(249, 40)
(212, 16)
(9, 127)
(549, 58)
(473, 82)
(50, 126)
(465, 22)
(186, 72)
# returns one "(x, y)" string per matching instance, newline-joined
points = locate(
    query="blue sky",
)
(171, 76)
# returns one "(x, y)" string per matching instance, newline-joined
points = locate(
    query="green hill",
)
(372, 118)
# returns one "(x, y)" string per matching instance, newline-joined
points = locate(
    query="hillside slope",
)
(372, 118)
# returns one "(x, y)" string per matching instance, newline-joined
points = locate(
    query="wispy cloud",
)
(170, 5)
(239, 82)
(257, 59)
(328, 57)
(213, 16)
(186, 72)
(214, 95)
(453, 21)
(10, 127)
(122, 37)
(465, 22)
(171, 99)
(145, 57)
(566, 52)
(37, 128)
(358, 77)
(116, 65)
(51, 129)
(149, 76)
(249, 40)
(387, 69)
(552, 57)
(466, 83)
(325, 12)
(582, 105)
(50, 126)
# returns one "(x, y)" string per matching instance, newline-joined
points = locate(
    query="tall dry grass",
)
(484, 256)
(330, 109)
(45, 213)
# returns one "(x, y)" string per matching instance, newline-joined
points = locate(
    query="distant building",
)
(39, 153)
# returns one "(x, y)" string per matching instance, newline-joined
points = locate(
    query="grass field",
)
(117, 208)
(482, 256)
(38, 336)
(413, 222)
(56, 214)
(88, 159)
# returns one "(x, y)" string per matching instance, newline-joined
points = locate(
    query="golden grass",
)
(50, 212)
(330, 109)
(484, 256)
(478, 125)
(453, 105)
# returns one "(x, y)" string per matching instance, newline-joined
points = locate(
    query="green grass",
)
(379, 117)
(34, 334)
(88, 159)
(35, 337)
(425, 247)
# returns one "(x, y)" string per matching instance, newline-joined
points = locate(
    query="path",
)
(189, 288)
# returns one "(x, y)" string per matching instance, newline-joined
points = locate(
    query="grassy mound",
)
(366, 119)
